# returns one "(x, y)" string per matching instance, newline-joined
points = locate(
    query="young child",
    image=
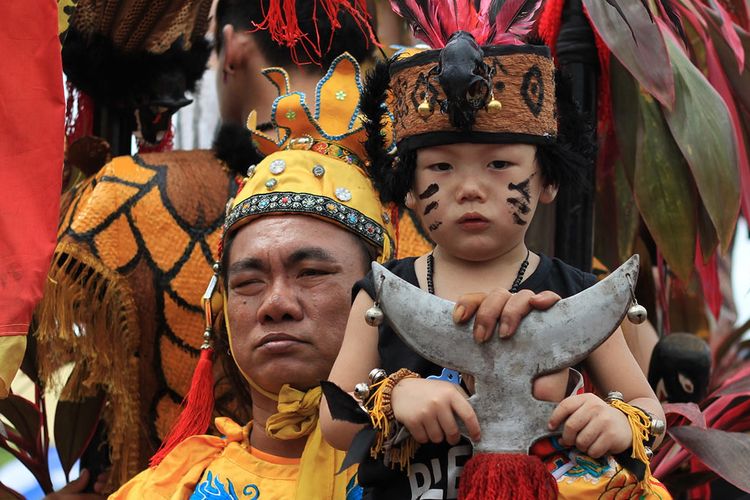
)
(479, 148)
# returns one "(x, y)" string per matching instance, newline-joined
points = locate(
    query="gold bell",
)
(424, 109)
(494, 106)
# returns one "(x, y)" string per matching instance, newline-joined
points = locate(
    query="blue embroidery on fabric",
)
(353, 490)
(213, 489)
(251, 491)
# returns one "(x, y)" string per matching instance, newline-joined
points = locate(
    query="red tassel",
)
(198, 407)
(283, 26)
(506, 477)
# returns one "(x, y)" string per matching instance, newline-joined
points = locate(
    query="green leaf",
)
(664, 191)
(23, 415)
(625, 95)
(637, 42)
(628, 218)
(702, 127)
(75, 424)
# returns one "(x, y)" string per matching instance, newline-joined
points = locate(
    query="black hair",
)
(244, 15)
(562, 162)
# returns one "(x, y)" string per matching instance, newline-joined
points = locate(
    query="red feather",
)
(496, 21)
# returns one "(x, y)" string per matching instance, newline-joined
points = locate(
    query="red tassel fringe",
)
(506, 477)
(198, 407)
(283, 26)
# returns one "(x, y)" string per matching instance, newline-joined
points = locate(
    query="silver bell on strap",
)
(374, 315)
(637, 314)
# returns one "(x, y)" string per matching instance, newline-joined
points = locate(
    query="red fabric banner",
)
(32, 111)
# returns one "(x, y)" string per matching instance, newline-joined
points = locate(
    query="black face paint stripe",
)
(435, 225)
(518, 220)
(519, 205)
(431, 190)
(429, 208)
(521, 187)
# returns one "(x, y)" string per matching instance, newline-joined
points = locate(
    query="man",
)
(134, 252)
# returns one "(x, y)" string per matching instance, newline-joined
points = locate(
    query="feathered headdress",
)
(481, 83)
(490, 22)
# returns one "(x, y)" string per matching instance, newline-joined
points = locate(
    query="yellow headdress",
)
(315, 165)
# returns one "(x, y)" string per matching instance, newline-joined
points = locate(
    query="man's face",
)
(289, 281)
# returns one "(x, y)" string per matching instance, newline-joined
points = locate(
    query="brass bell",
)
(376, 375)
(637, 314)
(374, 316)
(494, 106)
(424, 109)
(361, 391)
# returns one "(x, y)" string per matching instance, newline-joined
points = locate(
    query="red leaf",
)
(730, 35)
(75, 424)
(24, 416)
(637, 43)
(690, 411)
(709, 276)
(7, 493)
(726, 453)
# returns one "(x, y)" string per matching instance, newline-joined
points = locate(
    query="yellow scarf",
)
(297, 417)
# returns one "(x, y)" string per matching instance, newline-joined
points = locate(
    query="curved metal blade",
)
(504, 369)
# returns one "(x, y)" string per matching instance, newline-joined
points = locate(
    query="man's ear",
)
(548, 194)
(409, 201)
(237, 46)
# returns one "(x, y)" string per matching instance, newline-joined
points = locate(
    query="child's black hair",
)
(562, 162)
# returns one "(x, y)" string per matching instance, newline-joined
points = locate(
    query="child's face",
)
(476, 200)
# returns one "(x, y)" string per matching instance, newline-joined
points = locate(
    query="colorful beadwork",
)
(343, 194)
(277, 166)
(307, 203)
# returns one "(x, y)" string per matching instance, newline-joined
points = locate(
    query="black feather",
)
(342, 405)
(234, 146)
(359, 450)
(373, 108)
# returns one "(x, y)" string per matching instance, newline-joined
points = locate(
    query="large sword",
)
(504, 369)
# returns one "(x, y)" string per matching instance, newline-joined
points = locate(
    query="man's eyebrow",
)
(247, 264)
(313, 253)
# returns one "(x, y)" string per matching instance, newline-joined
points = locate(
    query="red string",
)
(165, 144)
(506, 477)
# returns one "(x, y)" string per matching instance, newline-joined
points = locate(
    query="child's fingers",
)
(465, 412)
(466, 306)
(417, 431)
(566, 407)
(433, 429)
(544, 300)
(516, 308)
(449, 426)
(489, 313)
(598, 448)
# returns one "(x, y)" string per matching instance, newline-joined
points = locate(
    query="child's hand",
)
(428, 409)
(592, 425)
(500, 306)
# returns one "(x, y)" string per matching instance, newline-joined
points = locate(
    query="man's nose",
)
(280, 303)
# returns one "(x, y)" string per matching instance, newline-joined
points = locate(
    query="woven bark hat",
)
(467, 93)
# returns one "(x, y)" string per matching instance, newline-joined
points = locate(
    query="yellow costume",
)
(228, 467)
